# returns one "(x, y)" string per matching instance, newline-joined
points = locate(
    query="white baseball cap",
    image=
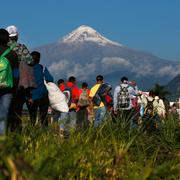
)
(12, 30)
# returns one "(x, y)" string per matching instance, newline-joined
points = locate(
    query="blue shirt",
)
(40, 74)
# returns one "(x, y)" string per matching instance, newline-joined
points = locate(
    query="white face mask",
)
(125, 82)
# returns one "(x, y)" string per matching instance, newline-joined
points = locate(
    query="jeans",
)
(5, 101)
(82, 117)
(62, 119)
(66, 120)
(72, 118)
(99, 116)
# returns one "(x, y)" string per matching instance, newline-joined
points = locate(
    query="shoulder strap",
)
(84, 91)
(69, 88)
(120, 88)
(150, 101)
(123, 88)
(8, 50)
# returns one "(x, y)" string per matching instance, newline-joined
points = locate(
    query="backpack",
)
(150, 118)
(103, 95)
(6, 75)
(96, 100)
(83, 99)
(149, 109)
(68, 94)
(123, 99)
(108, 99)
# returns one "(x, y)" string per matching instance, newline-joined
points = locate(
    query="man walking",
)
(123, 95)
(99, 108)
(6, 93)
(25, 81)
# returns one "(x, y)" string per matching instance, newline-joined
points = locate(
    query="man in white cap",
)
(20, 49)
(25, 74)
(13, 31)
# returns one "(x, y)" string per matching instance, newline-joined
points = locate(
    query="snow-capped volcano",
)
(87, 34)
(84, 53)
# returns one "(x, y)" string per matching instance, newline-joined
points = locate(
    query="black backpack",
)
(101, 94)
(149, 109)
(68, 94)
(150, 118)
(123, 98)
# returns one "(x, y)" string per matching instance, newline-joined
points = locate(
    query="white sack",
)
(57, 99)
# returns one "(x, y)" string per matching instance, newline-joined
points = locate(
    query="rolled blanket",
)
(26, 76)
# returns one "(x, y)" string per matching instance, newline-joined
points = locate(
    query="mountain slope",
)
(85, 53)
(174, 88)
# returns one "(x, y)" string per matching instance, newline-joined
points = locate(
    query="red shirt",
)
(75, 90)
(62, 87)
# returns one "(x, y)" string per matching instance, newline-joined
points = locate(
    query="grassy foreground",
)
(109, 152)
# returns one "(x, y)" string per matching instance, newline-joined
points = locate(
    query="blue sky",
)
(148, 25)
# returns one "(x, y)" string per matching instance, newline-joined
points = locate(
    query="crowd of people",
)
(80, 107)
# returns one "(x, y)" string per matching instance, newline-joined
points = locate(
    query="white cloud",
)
(114, 61)
(148, 69)
(66, 69)
(143, 69)
(169, 70)
(59, 67)
(82, 71)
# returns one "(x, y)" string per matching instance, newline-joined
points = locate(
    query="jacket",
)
(40, 75)
(13, 59)
(159, 106)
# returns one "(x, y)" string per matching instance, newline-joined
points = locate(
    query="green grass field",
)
(109, 152)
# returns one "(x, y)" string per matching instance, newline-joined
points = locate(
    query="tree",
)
(160, 91)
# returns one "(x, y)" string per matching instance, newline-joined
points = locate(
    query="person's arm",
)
(143, 105)
(163, 108)
(132, 91)
(136, 89)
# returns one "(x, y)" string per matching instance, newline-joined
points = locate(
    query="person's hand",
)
(30, 101)
(132, 83)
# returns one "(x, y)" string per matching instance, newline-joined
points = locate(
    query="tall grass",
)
(111, 151)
